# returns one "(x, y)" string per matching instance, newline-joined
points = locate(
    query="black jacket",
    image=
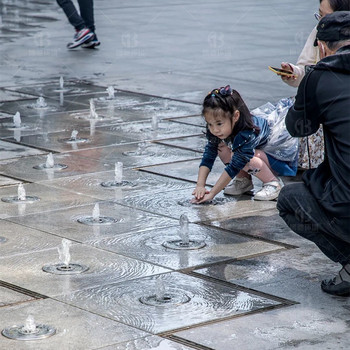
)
(324, 98)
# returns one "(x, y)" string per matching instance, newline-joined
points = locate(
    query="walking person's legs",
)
(83, 33)
(87, 13)
(72, 14)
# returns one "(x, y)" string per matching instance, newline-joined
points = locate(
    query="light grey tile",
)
(195, 301)
(75, 328)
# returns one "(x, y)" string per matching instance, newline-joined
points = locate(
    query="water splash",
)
(154, 122)
(73, 136)
(17, 120)
(63, 251)
(184, 230)
(93, 114)
(40, 103)
(92, 127)
(29, 326)
(61, 98)
(110, 90)
(61, 83)
(96, 213)
(160, 290)
(118, 172)
(50, 163)
(21, 193)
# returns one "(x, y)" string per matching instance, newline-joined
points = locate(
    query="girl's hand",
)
(206, 198)
(199, 192)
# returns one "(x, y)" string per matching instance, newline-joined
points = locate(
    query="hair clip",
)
(226, 91)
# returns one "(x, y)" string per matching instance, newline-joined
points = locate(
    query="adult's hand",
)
(287, 66)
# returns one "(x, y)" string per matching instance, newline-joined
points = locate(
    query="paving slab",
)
(18, 239)
(6, 95)
(154, 129)
(207, 246)
(195, 301)
(136, 182)
(266, 224)
(176, 203)
(9, 150)
(196, 120)
(127, 220)
(148, 343)
(63, 141)
(63, 121)
(70, 323)
(7, 181)
(103, 268)
(23, 168)
(186, 170)
(30, 107)
(39, 199)
(53, 89)
(138, 154)
(193, 143)
(11, 297)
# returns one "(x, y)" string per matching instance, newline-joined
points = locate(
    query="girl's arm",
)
(208, 159)
(200, 190)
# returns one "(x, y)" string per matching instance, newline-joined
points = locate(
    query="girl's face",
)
(325, 8)
(220, 125)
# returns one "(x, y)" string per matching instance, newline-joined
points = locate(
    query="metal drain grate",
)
(22, 290)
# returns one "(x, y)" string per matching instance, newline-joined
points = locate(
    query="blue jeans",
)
(302, 213)
(86, 17)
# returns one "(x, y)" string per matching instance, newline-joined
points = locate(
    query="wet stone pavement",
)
(106, 257)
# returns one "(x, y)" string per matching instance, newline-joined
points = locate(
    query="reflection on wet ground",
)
(123, 239)
(128, 258)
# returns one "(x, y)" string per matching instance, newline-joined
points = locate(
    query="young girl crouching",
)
(239, 139)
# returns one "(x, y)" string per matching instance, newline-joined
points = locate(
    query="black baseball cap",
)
(330, 27)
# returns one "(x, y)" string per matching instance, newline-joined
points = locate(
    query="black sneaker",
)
(341, 289)
(92, 43)
(80, 38)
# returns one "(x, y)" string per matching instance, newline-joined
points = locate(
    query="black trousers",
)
(86, 17)
(302, 213)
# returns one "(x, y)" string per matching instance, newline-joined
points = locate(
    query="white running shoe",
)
(269, 191)
(80, 38)
(239, 185)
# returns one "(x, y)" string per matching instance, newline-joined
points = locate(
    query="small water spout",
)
(160, 290)
(96, 213)
(73, 136)
(29, 326)
(184, 231)
(154, 122)
(17, 120)
(93, 114)
(61, 98)
(63, 251)
(118, 172)
(61, 83)
(50, 163)
(21, 193)
(40, 102)
(141, 147)
(110, 90)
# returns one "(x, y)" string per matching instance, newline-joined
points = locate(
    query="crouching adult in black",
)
(319, 208)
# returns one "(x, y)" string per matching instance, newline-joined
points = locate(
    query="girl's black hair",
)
(339, 5)
(230, 101)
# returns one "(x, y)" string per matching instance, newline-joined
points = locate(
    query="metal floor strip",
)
(22, 290)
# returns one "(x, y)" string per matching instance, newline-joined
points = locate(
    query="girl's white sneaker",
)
(269, 191)
(239, 185)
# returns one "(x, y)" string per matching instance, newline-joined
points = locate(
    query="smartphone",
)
(280, 71)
